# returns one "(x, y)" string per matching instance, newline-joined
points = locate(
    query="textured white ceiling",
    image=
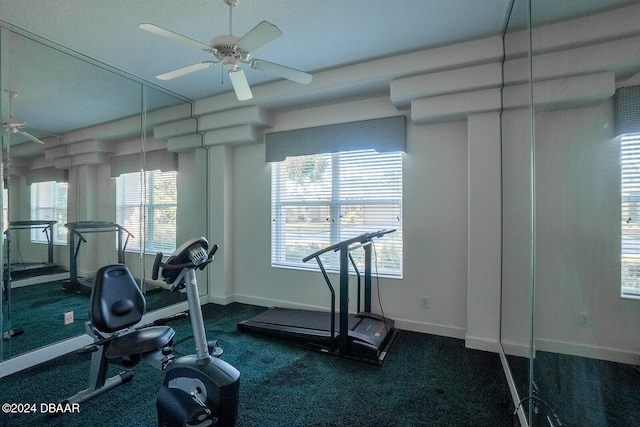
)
(318, 35)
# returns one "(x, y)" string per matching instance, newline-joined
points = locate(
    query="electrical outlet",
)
(585, 320)
(426, 302)
(68, 317)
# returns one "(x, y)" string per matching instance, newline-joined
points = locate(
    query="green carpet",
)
(426, 380)
(581, 391)
(41, 307)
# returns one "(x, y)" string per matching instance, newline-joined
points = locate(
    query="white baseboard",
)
(516, 349)
(590, 351)
(219, 299)
(43, 354)
(36, 280)
(430, 328)
(483, 344)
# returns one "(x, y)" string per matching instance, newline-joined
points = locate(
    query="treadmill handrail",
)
(95, 227)
(362, 238)
(92, 227)
(19, 225)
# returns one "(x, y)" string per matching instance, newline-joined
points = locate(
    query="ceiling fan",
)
(231, 51)
(14, 126)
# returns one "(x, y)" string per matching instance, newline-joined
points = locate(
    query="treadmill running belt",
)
(304, 319)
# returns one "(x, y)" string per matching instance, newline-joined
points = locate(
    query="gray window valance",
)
(626, 108)
(382, 135)
(46, 175)
(155, 160)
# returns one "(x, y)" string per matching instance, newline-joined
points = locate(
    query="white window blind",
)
(630, 210)
(5, 209)
(49, 203)
(160, 209)
(321, 199)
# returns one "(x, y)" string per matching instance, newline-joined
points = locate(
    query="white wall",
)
(578, 237)
(577, 245)
(434, 226)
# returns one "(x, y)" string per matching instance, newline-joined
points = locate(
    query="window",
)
(49, 203)
(160, 204)
(320, 199)
(630, 209)
(5, 209)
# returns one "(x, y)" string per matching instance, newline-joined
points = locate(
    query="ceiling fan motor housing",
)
(224, 48)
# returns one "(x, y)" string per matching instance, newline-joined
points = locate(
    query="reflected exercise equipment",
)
(25, 269)
(364, 336)
(76, 230)
(16, 270)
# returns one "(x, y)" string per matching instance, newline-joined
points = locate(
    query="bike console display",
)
(191, 254)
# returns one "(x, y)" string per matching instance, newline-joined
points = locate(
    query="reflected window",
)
(49, 203)
(160, 207)
(321, 199)
(5, 209)
(630, 210)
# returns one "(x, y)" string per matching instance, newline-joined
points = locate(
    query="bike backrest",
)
(116, 301)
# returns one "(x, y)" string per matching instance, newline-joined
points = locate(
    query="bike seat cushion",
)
(140, 341)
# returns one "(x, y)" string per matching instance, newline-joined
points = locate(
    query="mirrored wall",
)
(518, 227)
(569, 346)
(81, 166)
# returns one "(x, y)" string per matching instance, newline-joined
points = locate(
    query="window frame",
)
(336, 205)
(58, 235)
(127, 200)
(630, 216)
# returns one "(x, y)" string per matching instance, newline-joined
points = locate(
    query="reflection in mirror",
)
(565, 316)
(516, 305)
(96, 125)
(586, 357)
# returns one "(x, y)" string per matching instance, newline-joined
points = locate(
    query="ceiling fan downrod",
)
(231, 4)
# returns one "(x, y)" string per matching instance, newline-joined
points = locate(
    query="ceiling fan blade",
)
(31, 137)
(260, 35)
(282, 71)
(185, 70)
(240, 84)
(170, 34)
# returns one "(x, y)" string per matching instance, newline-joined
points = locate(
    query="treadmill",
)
(365, 336)
(19, 270)
(76, 229)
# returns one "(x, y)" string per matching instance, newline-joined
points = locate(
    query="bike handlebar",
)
(169, 265)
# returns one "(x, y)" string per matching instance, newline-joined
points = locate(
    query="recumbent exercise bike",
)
(198, 389)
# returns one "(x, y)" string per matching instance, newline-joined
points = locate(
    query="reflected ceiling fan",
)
(15, 126)
(231, 51)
